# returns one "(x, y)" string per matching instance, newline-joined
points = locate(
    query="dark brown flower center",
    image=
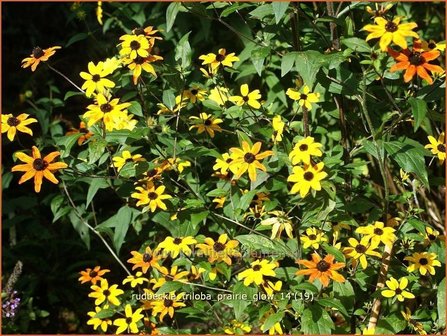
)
(323, 266)
(398, 291)
(360, 248)
(374, 56)
(194, 91)
(256, 268)
(245, 98)
(139, 60)
(207, 122)
(423, 261)
(178, 241)
(128, 320)
(106, 107)
(13, 121)
(431, 237)
(147, 257)
(312, 237)
(416, 58)
(38, 52)
(138, 31)
(218, 247)
(303, 96)
(83, 130)
(135, 45)
(431, 45)
(96, 78)
(106, 292)
(441, 148)
(93, 274)
(152, 173)
(378, 231)
(220, 57)
(229, 160)
(168, 303)
(249, 157)
(390, 27)
(152, 195)
(303, 147)
(308, 176)
(40, 164)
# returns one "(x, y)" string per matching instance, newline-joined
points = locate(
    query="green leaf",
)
(257, 57)
(135, 109)
(287, 62)
(80, 226)
(70, 94)
(316, 321)
(169, 286)
(279, 9)
(441, 304)
(390, 325)
(105, 313)
(94, 186)
(171, 14)
(67, 143)
(417, 224)
(419, 109)
(409, 158)
(356, 44)
(272, 320)
(345, 293)
(334, 303)
(169, 99)
(123, 219)
(183, 51)
(245, 200)
(76, 38)
(339, 256)
(96, 148)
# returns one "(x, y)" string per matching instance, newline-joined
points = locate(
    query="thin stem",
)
(306, 121)
(295, 31)
(66, 78)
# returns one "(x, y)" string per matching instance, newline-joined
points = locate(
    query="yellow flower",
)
(257, 271)
(207, 123)
(432, 45)
(219, 95)
(359, 250)
(304, 98)
(308, 178)
(397, 289)
(279, 223)
(378, 232)
(313, 238)
(99, 12)
(175, 246)
(269, 287)
(83, 130)
(437, 147)
(138, 64)
(417, 326)
(220, 59)
(144, 260)
(369, 331)
(247, 159)
(390, 31)
(135, 280)
(13, 124)
(249, 98)
(276, 328)
(99, 322)
(134, 45)
(166, 304)
(237, 327)
(223, 164)
(194, 94)
(423, 262)
(129, 323)
(152, 197)
(120, 161)
(278, 129)
(38, 55)
(95, 79)
(92, 275)
(104, 293)
(195, 273)
(176, 164)
(431, 236)
(180, 102)
(220, 201)
(106, 110)
(220, 250)
(304, 149)
(379, 11)
(38, 168)
(404, 176)
(167, 275)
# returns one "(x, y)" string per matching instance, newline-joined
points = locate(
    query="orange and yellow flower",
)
(322, 269)
(92, 275)
(38, 55)
(13, 124)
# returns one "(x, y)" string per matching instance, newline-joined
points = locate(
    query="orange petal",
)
(409, 74)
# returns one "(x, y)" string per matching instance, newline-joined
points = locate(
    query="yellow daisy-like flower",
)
(95, 80)
(180, 102)
(257, 271)
(269, 287)
(174, 246)
(249, 98)
(219, 95)
(145, 260)
(134, 45)
(165, 305)
(129, 323)
(220, 59)
(431, 236)
(313, 238)
(38, 55)
(432, 45)
(437, 147)
(304, 149)
(138, 64)
(177, 164)
(276, 328)
(279, 223)
(92, 275)
(237, 327)
(194, 94)
(359, 250)
(167, 275)
(38, 167)
(278, 129)
(152, 197)
(223, 164)
(104, 293)
(376, 12)
(423, 262)
(417, 326)
(99, 322)
(221, 250)
(397, 289)
(120, 161)
(308, 178)
(83, 130)
(207, 123)
(13, 124)
(390, 31)
(135, 280)
(369, 331)
(220, 201)
(378, 232)
(305, 98)
(322, 269)
(247, 159)
(106, 110)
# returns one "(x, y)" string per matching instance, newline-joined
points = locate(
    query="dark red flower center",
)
(152, 195)
(96, 78)
(13, 121)
(378, 231)
(360, 248)
(391, 27)
(168, 303)
(323, 266)
(423, 261)
(416, 58)
(245, 98)
(218, 247)
(398, 291)
(256, 268)
(441, 148)
(147, 257)
(106, 107)
(178, 241)
(152, 173)
(40, 164)
(308, 176)
(38, 52)
(303, 147)
(83, 130)
(135, 45)
(249, 157)
(220, 57)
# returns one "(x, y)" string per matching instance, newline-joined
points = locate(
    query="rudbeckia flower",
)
(145, 260)
(423, 262)
(135, 280)
(221, 250)
(378, 232)
(415, 62)
(249, 98)
(431, 236)
(432, 45)
(305, 98)
(359, 250)
(195, 94)
(13, 124)
(223, 164)
(166, 304)
(104, 293)
(38, 167)
(207, 123)
(219, 95)
(308, 178)
(92, 275)
(279, 222)
(38, 55)
(396, 288)
(437, 147)
(97, 321)
(138, 64)
(129, 323)
(313, 238)
(269, 287)
(95, 80)
(106, 109)
(257, 271)
(174, 246)
(134, 45)
(167, 275)
(153, 197)
(390, 31)
(247, 159)
(278, 129)
(379, 11)
(120, 161)
(304, 149)
(83, 130)
(220, 59)
(322, 269)
(237, 327)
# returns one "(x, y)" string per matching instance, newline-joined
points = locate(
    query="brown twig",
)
(333, 26)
